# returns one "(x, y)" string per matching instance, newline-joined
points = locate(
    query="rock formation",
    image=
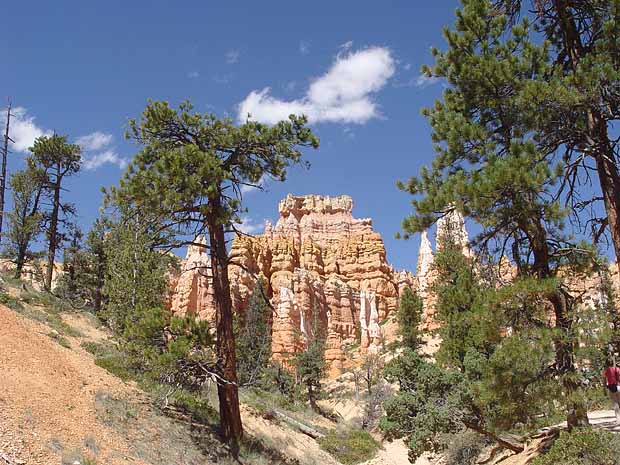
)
(319, 264)
(191, 288)
(323, 269)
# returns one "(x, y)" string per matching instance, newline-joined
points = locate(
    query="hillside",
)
(58, 406)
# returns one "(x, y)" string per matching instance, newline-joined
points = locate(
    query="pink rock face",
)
(191, 291)
(320, 266)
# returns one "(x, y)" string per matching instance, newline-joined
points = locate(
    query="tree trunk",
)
(609, 179)
(509, 443)
(597, 135)
(53, 234)
(227, 390)
(19, 261)
(564, 343)
(577, 414)
(5, 154)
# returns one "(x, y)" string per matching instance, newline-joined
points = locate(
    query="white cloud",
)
(343, 94)
(232, 57)
(23, 129)
(304, 47)
(94, 141)
(92, 162)
(92, 157)
(424, 81)
(250, 226)
(347, 46)
(193, 74)
(262, 182)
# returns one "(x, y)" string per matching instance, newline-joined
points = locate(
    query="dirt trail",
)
(47, 397)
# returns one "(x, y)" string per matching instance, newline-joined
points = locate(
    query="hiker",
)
(611, 377)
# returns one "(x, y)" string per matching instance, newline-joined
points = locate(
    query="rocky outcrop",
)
(320, 264)
(322, 269)
(191, 290)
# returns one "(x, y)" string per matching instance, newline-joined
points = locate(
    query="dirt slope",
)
(48, 397)
(58, 407)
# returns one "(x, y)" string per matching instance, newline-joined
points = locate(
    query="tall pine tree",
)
(489, 167)
(190, 173)
(57, 159)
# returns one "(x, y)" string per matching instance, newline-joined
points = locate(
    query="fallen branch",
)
(305, 429)
(510, 443)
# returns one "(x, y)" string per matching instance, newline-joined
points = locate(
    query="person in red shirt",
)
(611, 377)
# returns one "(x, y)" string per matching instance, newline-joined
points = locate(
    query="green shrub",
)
(99, 349)
(350, 446)
(9, 301)
(196, 405)
(117, 365)
(583, 446)
(463, 448)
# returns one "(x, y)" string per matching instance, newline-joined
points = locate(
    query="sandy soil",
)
(47, 397)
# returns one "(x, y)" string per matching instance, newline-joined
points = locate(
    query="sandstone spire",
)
(425, 256)
(452, 224)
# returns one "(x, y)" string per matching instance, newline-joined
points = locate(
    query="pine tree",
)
(572, 102)
(489, 167)
(135, 271)
(84, 266)
(25, 221)
(495, 369)
(96, 263)
(253, 339)
(57, 159)
(409, 318)
(190, 173)
(310, 363)
(69, 286)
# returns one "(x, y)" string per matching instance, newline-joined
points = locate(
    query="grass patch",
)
(51, 319)
(350, 446)
(263, 401)
(99, 349)
(116, 365)
(11, 302)
(38, 306)
(59, 339)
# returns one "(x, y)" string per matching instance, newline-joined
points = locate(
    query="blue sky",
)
(84, 68)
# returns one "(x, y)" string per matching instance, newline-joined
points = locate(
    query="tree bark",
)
(227, 390)
(609, 179)
(5, 154)
(564, 342)
(597, 138)
(508, 443)
(19, 261)
(53, 233)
